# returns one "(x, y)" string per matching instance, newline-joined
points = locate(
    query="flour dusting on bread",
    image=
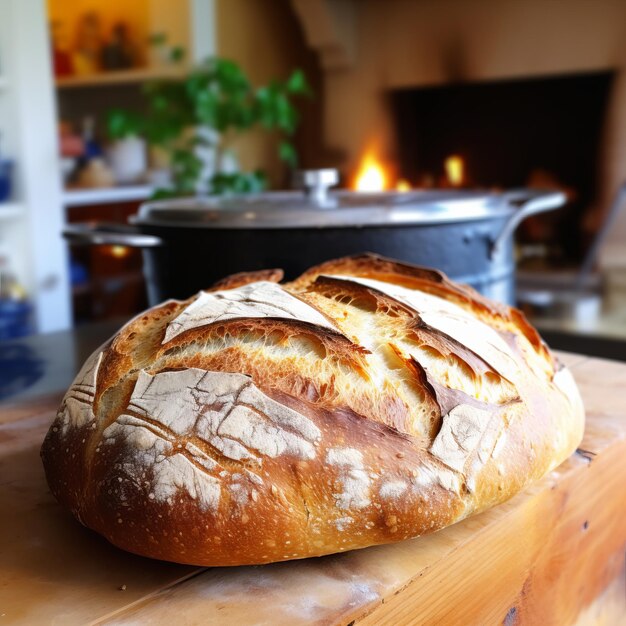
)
(77, 406)
(353, 478)
(223, 410)
(460, 435)
(393, 489)
(259, 299)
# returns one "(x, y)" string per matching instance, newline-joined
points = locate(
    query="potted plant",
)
(195, 119)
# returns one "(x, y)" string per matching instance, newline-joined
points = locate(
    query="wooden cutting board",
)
(552, 555)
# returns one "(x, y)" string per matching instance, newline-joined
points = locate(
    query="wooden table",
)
(552, 555)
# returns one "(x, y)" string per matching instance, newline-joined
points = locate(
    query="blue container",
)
(15, 319)
(6, 175)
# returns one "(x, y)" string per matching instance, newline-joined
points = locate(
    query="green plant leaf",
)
(157, 39)
(177, 54)
(297, 84)
(122, 124)
(230, 76)
(207, 108)
(237, 183)
(163, 194)
(159, 102)
(287, 153)
(285, 114)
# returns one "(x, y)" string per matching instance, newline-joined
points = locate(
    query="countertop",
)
(553, 554)
(601, 334)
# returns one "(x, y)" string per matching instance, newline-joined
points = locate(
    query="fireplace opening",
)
(537, 132)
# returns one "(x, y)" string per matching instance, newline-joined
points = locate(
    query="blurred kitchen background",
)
(396, 95)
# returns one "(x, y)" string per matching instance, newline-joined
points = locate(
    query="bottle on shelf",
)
(86, 58)
(15, 309)
(92, 148)
(6, 175)
(119, 52)
(94, 172)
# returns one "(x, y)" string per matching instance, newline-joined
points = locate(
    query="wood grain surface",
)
(552, 555)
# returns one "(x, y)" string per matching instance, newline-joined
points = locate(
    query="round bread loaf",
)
(366, 402)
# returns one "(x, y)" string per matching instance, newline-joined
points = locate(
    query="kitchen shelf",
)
(10, 210)
(82, 197)
(120, 77)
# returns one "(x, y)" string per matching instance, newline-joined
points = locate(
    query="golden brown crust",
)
(431, 281)
(366, 402)
(245, 278)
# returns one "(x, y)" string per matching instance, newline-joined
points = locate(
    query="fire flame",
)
(119, 252)
(455, 170)
(403, 185)
(371, 175)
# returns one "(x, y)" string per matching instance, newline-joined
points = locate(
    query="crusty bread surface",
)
(366, 402)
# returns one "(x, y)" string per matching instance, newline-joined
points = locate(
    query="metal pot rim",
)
(343, 209)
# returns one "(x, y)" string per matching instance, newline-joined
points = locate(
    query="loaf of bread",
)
(366, 402)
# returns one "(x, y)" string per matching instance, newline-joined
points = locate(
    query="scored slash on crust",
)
(77, 406)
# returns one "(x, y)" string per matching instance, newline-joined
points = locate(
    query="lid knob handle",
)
(316, 183)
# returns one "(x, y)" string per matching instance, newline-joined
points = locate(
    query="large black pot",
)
(189, 244)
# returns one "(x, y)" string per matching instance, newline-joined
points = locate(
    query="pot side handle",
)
(530, 203)
(109, 235)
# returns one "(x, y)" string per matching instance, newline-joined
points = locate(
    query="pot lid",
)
(319, 208)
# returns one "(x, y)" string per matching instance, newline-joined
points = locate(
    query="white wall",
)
(37, 252)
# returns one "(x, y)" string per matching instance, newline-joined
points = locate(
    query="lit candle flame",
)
(455, 167)
(371, 175)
